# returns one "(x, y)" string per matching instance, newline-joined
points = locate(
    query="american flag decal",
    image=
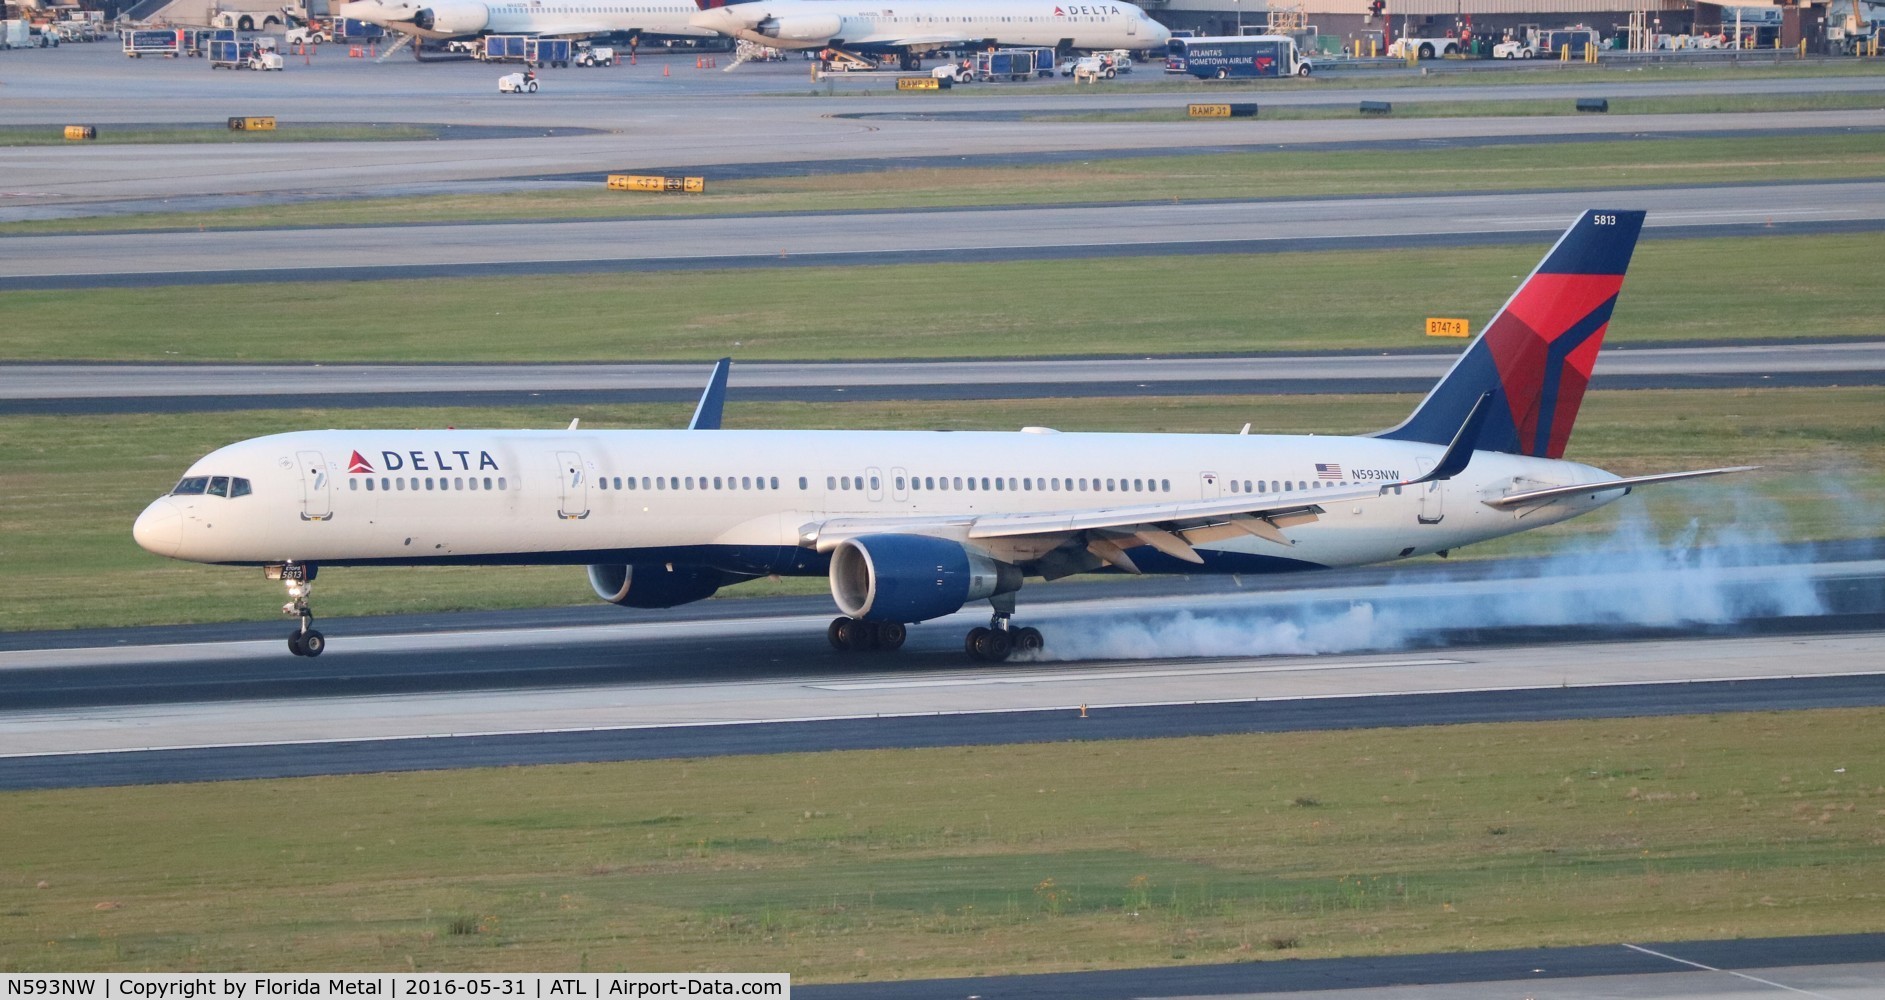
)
(1326, 471)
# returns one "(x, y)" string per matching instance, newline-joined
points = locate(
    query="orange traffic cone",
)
(664, 70)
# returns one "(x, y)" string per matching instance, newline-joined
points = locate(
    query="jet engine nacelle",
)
(457, 18)
(654, 585)
(802, 27)
(913, 578)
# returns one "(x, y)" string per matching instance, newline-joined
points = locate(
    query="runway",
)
(381, 252)
(141, 388)
(1843, 966)
(1676, 636)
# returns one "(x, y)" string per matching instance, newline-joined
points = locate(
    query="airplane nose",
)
(160, 528)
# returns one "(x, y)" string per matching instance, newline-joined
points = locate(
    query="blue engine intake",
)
(913, 578)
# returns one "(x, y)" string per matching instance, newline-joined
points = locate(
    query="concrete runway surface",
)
(93, 388)
(365, 252)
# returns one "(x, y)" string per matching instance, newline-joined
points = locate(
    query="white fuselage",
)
(744, 500)
(923, 25)
(464, 18)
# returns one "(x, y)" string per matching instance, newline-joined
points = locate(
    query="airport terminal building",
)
(1340, 24)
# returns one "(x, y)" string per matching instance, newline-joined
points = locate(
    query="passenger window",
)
(959, 482)
(428, 482)
(746, 483)
(473, 481)
(971, 482)
(1138, 486)
(1233, 486)
(900, 486)
(831, 483)
(984, 482)
(501, 484)
(487, 482)
(775, 482)
(353, 484)
(369, 486)
(385, 484)
(998, 482)
(219, 486)
(875, 484)
(929, 482)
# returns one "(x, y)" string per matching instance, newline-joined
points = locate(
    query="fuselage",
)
(464, 18)
(743, 501)
(922, 25)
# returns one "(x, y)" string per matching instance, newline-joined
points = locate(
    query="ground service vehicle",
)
(228, 53)
(15, 34)
(1425, 48)
(517, 83)
(1232, 57)
(961, 71)
(1010, 64)
(547, 52)
(138, 44)
(504, 48)
(597, 56)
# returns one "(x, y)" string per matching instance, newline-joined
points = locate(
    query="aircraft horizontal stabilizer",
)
(1511, 500)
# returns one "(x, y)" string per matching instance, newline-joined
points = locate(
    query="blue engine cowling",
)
(913, 578)
(654, 585)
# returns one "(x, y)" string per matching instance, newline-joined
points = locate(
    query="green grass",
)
(70, 486)
(1531, 108)
(1264, 174)
(980, 860)
(123, 135)
(1378, 299)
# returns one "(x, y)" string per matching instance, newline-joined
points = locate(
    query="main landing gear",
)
(1000, 640)
(299, 578)
(855, 635)
(993, 644)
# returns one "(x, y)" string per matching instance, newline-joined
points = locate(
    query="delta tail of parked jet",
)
(913, 525)
(914, 27)
(441, 19)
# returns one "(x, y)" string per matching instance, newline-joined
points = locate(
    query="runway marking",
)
(1121, 675)
(1731, 972)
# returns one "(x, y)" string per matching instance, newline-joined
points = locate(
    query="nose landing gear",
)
(299, 579)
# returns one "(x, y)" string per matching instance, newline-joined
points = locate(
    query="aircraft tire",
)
(995, 645)
(313, 643)
(294, 643)
(891, 635)
(1028, 640)
(972, 643)
(832, 633)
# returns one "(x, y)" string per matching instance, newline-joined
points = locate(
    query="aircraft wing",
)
(1528, 497)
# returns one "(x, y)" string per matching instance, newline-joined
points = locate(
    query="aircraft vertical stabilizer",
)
(1538, 351)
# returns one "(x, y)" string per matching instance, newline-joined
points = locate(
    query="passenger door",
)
(317, 498)
(573, 483)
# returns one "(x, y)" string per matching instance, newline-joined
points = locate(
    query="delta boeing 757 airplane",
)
(913, 525)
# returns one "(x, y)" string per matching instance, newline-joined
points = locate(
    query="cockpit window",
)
(216, 486)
